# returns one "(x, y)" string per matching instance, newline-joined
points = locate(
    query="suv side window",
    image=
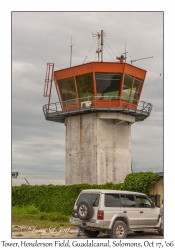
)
(112, 200)
(143, 201)
(88, 197)
(127, 200)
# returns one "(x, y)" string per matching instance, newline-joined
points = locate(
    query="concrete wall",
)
(157, 188)
(98, 148)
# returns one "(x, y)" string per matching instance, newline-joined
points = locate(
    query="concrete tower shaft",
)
(98, 148)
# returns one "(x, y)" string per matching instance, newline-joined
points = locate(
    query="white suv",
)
(114, 212)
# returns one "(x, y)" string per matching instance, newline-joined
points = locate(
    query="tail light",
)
(100, 214)
(74, 213)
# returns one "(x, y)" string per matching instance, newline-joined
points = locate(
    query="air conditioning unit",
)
(85, 104)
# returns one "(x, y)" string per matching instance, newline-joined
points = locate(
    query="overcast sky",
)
(38, 146)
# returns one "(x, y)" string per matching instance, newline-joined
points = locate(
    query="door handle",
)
(124, 211)
(141, 212)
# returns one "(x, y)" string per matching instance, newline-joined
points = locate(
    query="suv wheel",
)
(84, 210)
(91, 234)
(160, 231)
(119, 230)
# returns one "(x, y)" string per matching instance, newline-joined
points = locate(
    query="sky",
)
(38, 146)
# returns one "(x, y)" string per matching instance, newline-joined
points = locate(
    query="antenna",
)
(125, 52)
(140, 59)
(102, 33)
(98, 50)
(71, 52)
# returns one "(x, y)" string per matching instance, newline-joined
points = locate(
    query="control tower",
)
(98, 103)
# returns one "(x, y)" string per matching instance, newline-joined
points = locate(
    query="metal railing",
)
(75, 104)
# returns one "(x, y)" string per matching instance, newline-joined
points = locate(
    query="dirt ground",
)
(29, 232)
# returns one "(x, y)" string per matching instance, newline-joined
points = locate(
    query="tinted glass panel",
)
(85, 85)
(67, 89)
(127, 86)
(127, 201)
(112, 200)
(108, 85)
(91, 198)
(143, 201)
(137, 87)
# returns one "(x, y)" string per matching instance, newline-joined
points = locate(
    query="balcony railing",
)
(75, 104)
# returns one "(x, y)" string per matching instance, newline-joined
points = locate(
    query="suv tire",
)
(160, 231)
(119, 230)
(84, 210)
(91, 234)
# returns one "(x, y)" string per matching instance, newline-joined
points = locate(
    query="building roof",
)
(160, 174)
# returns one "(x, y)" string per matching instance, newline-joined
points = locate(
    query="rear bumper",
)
(97, 224)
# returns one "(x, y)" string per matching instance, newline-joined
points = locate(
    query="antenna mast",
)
(98, 50)
(101, 45)
(71, 52)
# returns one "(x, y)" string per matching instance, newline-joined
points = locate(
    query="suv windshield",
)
(88, 197)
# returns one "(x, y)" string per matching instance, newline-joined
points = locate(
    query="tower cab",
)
(99, 84)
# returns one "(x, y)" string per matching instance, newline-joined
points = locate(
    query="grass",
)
(31, 216)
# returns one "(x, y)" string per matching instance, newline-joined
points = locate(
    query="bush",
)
(51, 198)
(139, 182)
(60, 199)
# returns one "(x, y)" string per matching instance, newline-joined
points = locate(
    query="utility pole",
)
(27, 181)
